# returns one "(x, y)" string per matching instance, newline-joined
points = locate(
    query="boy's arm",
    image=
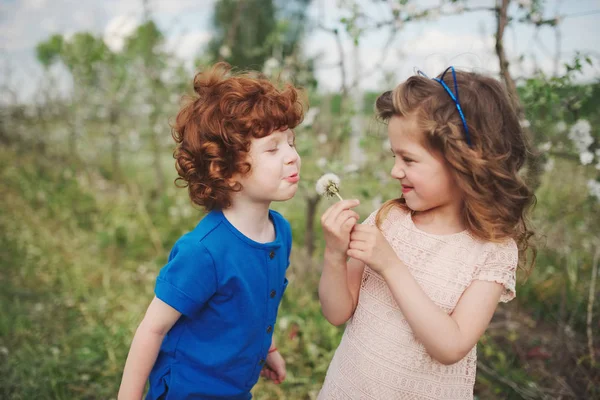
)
(339, 287)
(159, 319)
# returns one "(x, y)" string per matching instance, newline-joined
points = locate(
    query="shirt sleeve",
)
(371, 218)
(499, 264)
(288, 238)
(188, 279)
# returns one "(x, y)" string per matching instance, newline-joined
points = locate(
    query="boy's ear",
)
(233, 183)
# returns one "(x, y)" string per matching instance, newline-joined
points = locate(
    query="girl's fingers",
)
(344, 215)
(338, 207)
(348, 224)
(356, 254)
(358, 235)
(357, 245)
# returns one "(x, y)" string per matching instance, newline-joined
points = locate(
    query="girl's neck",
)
(252, 220)
(439, 221)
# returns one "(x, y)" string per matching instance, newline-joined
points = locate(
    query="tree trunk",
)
(309, 235)
(533, 164)
(115, 144)
(156, 155)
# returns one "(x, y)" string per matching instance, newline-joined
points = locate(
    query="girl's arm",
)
(340, 280)
(447, 338)
(339, 287)
(159, 319)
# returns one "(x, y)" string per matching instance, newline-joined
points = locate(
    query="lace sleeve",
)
(500, 265)
(371, 218)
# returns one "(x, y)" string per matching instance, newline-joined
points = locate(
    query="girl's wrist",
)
(334, 256)
(272, 350)
(394, 267)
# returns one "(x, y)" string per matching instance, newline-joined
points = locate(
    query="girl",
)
(427, 270)
(208, 332)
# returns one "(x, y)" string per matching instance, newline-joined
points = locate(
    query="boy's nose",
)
(292, 157)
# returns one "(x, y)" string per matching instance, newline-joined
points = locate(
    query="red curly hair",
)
(496, 198)
(214, 128)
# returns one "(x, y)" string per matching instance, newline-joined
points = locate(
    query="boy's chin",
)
(286, 196)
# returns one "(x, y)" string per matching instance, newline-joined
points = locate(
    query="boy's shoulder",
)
(282, 224)
(203, 230)
(278, 218)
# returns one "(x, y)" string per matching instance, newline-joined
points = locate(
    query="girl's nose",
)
(397, 172)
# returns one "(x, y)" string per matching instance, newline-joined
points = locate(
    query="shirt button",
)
(269, 329)
(273, 293)
(261, 362)
(272, 254)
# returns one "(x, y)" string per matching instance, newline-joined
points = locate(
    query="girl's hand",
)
(367, 244)
(274, 369)
(337, 222)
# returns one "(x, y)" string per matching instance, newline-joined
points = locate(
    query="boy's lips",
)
(293, 178)
(406, 189)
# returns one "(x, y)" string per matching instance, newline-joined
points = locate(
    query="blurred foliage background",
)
(89, 210)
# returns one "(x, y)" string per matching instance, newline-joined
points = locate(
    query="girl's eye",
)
(408, 160)
(293, 144)
(272, 150)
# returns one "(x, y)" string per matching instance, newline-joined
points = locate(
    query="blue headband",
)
(453, 97)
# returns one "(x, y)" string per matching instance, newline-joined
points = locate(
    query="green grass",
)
(80, 255)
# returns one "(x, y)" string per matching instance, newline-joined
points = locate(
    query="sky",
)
(465, 40)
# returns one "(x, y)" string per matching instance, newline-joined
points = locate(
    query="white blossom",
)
(594, 188)
(351, 168)
(311, 114)
(586, 157)
(561, 127)
(459, 7)
(225, 51)
(410, 9)
(580, 135)
(322, 162)
(386, 145)
(525, 123)
(328, 185)
(271, 65)
(545, 146)
(322, 138)
(434, 14)
(549, 166)
(536, 18)
(525, 3)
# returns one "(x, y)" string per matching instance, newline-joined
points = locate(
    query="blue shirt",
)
(228, 289)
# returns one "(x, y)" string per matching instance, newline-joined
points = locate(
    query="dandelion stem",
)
(338, 195)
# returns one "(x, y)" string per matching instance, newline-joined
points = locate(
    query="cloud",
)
(187, 45)
(431, 51)
(23, 24)
(118, 29)
(157, 9)
(434, 41)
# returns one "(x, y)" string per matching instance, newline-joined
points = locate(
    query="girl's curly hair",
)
(496, 198)
(214, 128)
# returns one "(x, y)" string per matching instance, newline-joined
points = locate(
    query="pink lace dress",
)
(379, 357)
